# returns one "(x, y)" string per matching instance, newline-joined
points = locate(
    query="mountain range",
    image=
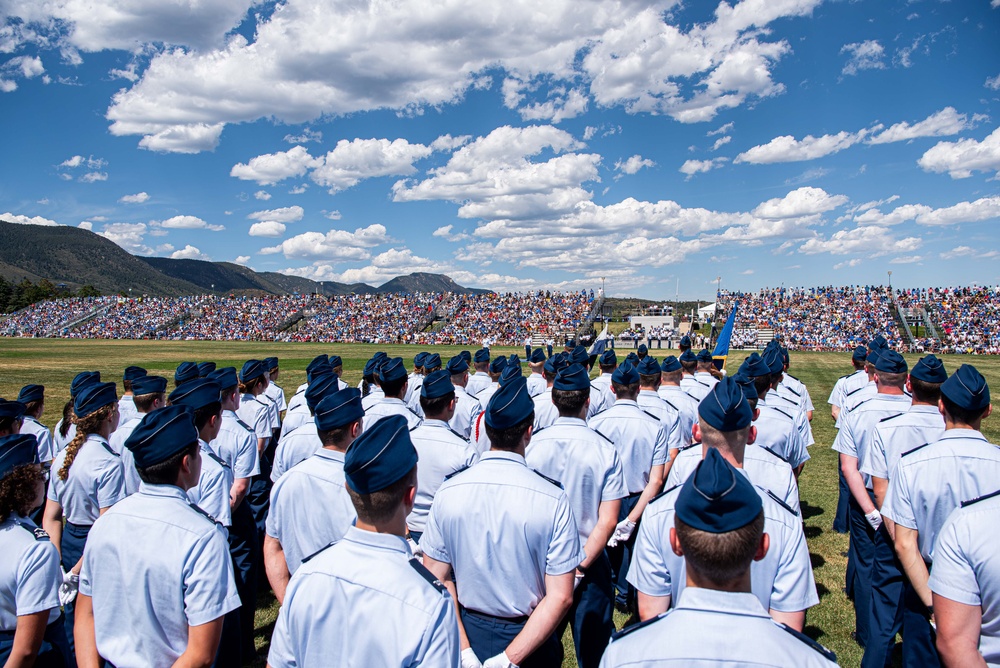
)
(77, 257)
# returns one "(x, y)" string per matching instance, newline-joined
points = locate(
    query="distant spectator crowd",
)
(51, 318)
(969, 318)
(371, 318)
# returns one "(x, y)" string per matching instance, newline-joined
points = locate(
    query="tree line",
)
(15, 296)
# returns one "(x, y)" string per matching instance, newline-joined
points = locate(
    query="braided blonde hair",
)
(88, 424)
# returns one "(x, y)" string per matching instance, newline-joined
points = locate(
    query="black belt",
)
(636, 495)
(509, 620)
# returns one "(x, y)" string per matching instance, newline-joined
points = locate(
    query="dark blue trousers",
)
(54, 651)
(74, 538)
(919, 650)
(527, 353)
(416, 536)
(258, 499)
(862, 553)
(591, 616)
(621, 556)
(245, 551)
(489, 636)
(841, 524)
(886, 607)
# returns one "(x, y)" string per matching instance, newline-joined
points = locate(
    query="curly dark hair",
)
(17, 490)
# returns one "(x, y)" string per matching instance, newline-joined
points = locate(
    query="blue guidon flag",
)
(721, 352)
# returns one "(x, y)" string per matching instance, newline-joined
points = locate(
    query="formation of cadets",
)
(465, 514)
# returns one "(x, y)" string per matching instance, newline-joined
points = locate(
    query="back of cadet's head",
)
(724, 415)
(379, 467)
(509, 414)
(890, 369)
(571, 390)
(719, 521)
(966, 395)
(926, 378)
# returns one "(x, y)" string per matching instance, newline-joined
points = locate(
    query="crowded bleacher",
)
(371, 318)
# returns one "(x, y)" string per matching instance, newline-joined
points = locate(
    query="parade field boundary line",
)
(54, 362)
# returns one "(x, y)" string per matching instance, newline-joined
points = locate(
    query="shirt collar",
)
(963, 433)
(440, 424)
(921, 408)
(165, 491)
(332, 455)
(393, 400)
(503, 454)
(576, 422)
(384, 541)
(699, 598)
(96, 437)
(626, 402)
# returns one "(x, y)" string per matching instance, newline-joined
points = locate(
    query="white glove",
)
(577, 580)
(415, 549)
(622, 532)
(874, 518)
(499, 661)
(69, 587)
(469, 659)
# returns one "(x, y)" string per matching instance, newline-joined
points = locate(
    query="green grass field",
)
(53, 363)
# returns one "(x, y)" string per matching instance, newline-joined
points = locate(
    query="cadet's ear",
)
(752, 436)
(696, 432)
(986, 413)
(675, 543)
(756, 414)
(356, 428)
(765, 545)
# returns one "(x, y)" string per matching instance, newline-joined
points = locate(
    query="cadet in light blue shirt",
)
(33, 398)
(297, 408)
(717, 619)
(965, 584)
(29, 572)
(690, 383)
(148, 395)
(467, 407)
(545, 411)
(510, 537)
(931, 481)
(650, 401)
(365, 601)
(393, 381)
(536, 381)
(443, 452)
(309, 505)
(608, 362)
(303, 441)
(782, 580)
(670, 391)
(588, 466)
(157, 579)
(126, 404)
(480, 378)
(65, 430)
(778, 430)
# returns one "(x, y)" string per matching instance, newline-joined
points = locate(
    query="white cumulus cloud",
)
(262, 195)
(789, 149)
(334, 245)
(963, 157)
(267, 228)
(271, 168)
(189, 252)
(137, 198)
(129, 236)
(189, 223)
(862, 241)
(353, 161)
(692, 167)
(26, 220)
(867, 55)
(633, 164)
(801, 202)
(939, 124)
(285, 214)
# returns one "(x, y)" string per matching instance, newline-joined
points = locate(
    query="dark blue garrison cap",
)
(162, 434)
(185, 371)
(860, 353)
(580, 356)
(326, 369)
(878, 343)
(755, 366)
(335, 361)
(704, 356)
(11, 409)
(205, 368)
(457, 365)
(482, 355)
(320, 386)
(338, 408)
(509, 373)
(382, 455)
(669, 364)
(889, 361)
(270, 363)
(784, 355)
(553, 364)
(319, 360)
(31, 393)
(514, 360)
(609, 358)
(625, 374)
(688, 356)
(537, 356)
(133, 372)
(196, 393)
(225, 377)
(17, 450)
(685, 341)
(772, 358)
(467, 356)
(648, 366)
(432, 361)
(94, 396)
(437, 384)
(498, 365)
(747, 385)
(642, 349)
(151, 385)
(632, 359)
(371, 366)
(717, 498)
(725, 407)
(251, 369)
(391, 370)
(82, 379)
(873, 355)
(418, 359)
(573, 377)
(509, 405)
(929, 369)
(967, 389)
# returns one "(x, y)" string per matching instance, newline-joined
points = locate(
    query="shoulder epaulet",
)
(798, 394)
(779, 501)
(110, 450)
(635, 627)
(783, 413)
(297, 393)
(650, 414)
(427, 575)
(845, 376)
(769, 450)
(910, 452)
(890, 417)
(201, 512)
(243, 424)
(604, 437)
(803, 638)
(693, 398)
(688, 446)
(667, 402)
(980, 498)
(217, 458)
(791, 376)
(861, 403)
(328, 545)
(703, 384)
(457, 434)
(420, 422)
(552, 480)
(257, 399)
(455, 473)
(38, 532)
(665, 492)
(538, 431)
(857, 389)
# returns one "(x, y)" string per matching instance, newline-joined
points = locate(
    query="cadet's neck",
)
(395, 526)
(733, 455)
(739, 584)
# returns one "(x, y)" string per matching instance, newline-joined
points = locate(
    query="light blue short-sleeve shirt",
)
(30, 574)
(442, 453)
(96, 480)
(46, 446)
(294, 448)
(237, 445)
(901, 433)
(211, 494)
(640, 438)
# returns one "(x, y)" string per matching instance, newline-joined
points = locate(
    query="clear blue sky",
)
(517, 145)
